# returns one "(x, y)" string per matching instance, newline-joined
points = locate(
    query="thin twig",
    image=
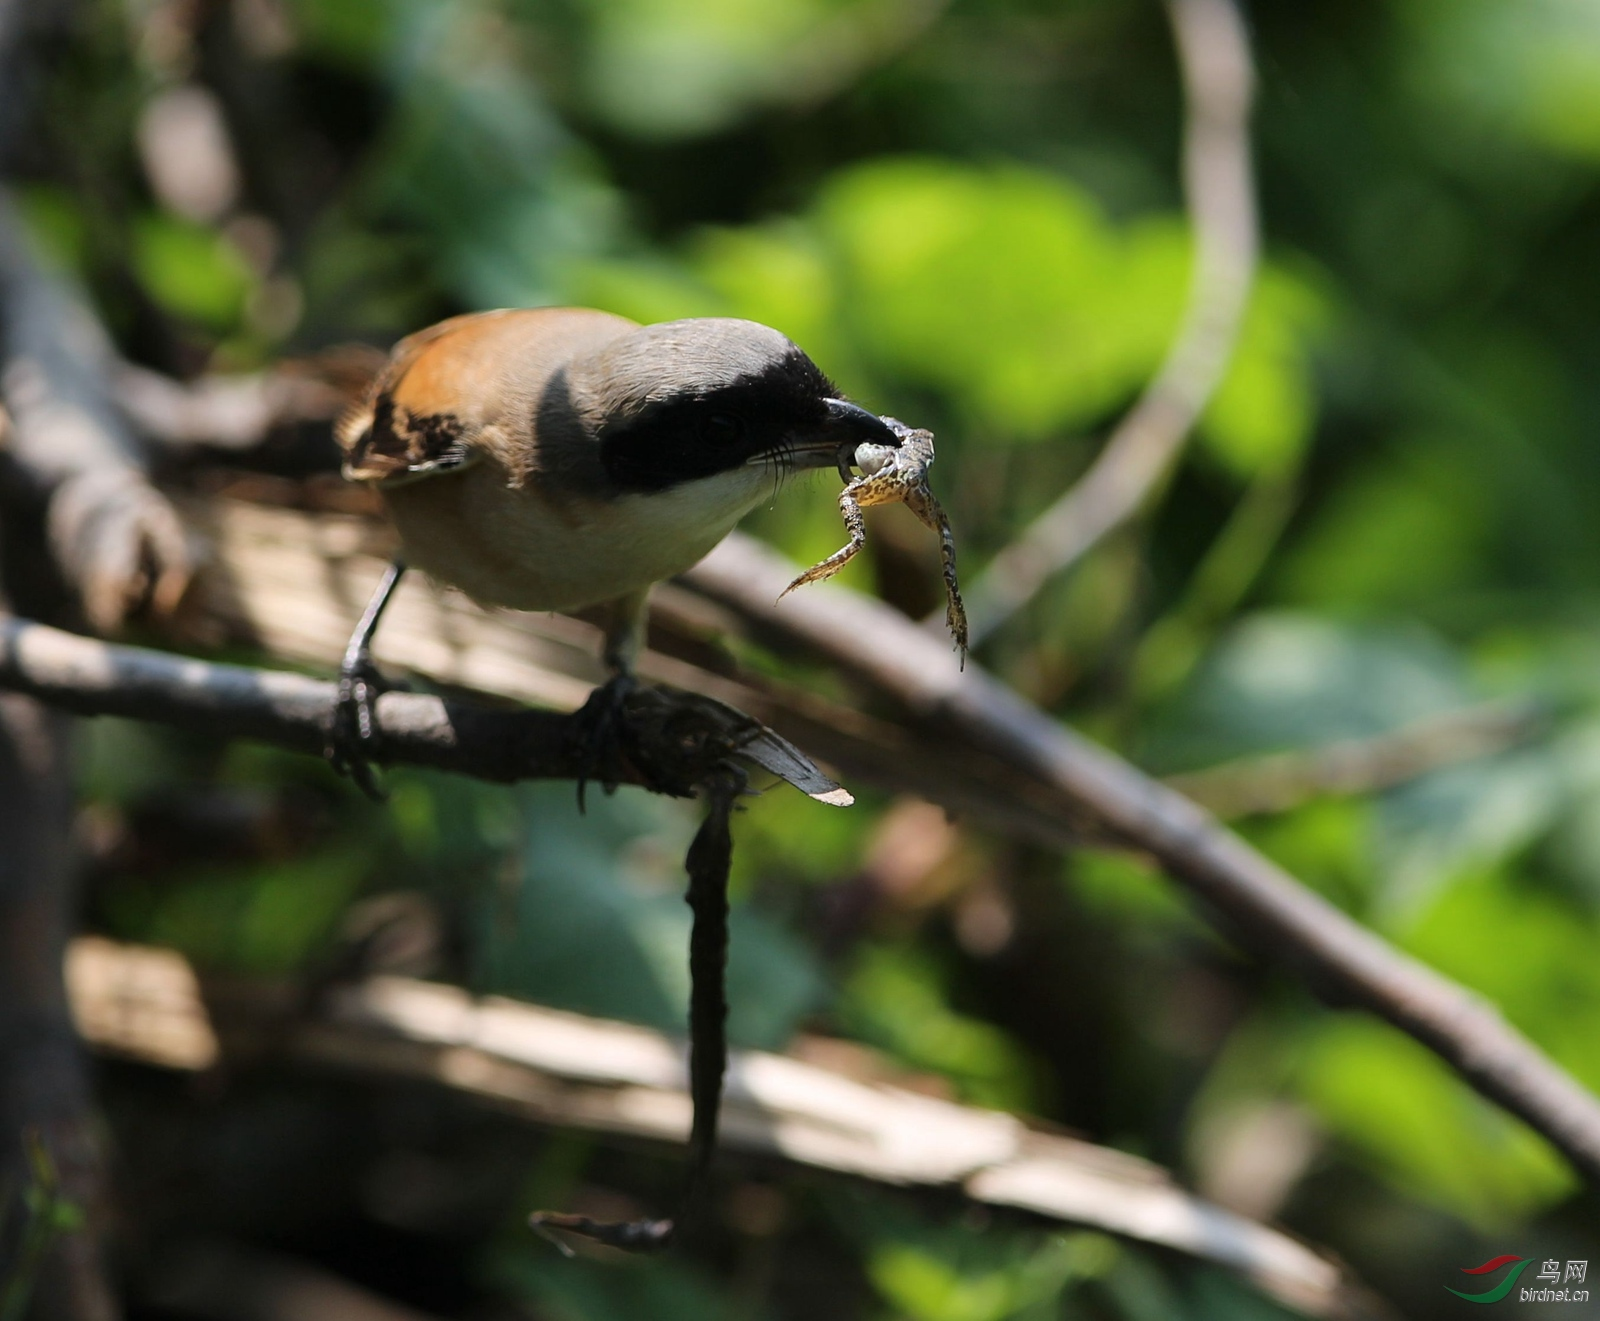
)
(1259, 902)
(1214, 51)
(1280, 781)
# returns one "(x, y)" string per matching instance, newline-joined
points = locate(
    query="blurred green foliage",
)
(969, 214)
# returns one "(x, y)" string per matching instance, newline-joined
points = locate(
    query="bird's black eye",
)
(722, 430)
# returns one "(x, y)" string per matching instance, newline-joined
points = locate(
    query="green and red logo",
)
(1499, 1291)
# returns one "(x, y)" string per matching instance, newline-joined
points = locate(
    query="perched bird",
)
(561, 458)
(557, 458)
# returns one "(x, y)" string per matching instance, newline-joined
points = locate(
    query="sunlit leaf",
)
(1423, 1129)
(1531, 68)
(191, 271)
(1262, 414)
(670, 68)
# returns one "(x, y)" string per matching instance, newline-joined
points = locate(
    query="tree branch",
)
(1280, 781)
(237, 411)
(672, 742)
(116, 537)
(553, 1067)
(44, 1083)
(995, 751)
(1265, 907)
(1214, 51)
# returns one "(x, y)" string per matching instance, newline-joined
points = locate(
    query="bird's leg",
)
(601, 717)
(353, 734)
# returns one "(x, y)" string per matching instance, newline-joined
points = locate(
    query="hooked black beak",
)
(848, 420)
(856, 426)
(845, 426)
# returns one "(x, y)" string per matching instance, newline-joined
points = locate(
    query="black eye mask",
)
(683, 440)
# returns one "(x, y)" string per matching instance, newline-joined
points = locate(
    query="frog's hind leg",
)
(925, 507)
(841, 557)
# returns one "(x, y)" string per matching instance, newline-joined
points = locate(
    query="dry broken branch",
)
(1214, 51)
(559, 1068)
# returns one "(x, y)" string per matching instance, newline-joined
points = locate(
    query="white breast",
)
(523, 549)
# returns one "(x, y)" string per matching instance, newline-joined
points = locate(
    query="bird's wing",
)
(388, 442)
(464, 388)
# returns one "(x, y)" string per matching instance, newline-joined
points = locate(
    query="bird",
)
(563, 458)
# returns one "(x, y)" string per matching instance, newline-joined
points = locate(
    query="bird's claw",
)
(353, 737)
(601, 723)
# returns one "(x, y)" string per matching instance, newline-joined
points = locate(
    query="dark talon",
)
(353, 739)
(601, 723)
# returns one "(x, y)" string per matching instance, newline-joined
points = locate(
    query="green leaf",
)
(927, 1288)
(1006, 288)
(1528, 950)
(673, 68)
(597, 922)
(1532, 68)
(894, 1000)
(1262, 414)
(263, 918)
(1291, 680)
(933, 1274)
(191, 271)
(351, 32)
(1404, 529)
(1423, 1130)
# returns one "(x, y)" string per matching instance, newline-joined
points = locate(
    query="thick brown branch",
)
(239, 411)
(1214, 51)
(552, 1067)
(1265, 906)
(95, 678)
